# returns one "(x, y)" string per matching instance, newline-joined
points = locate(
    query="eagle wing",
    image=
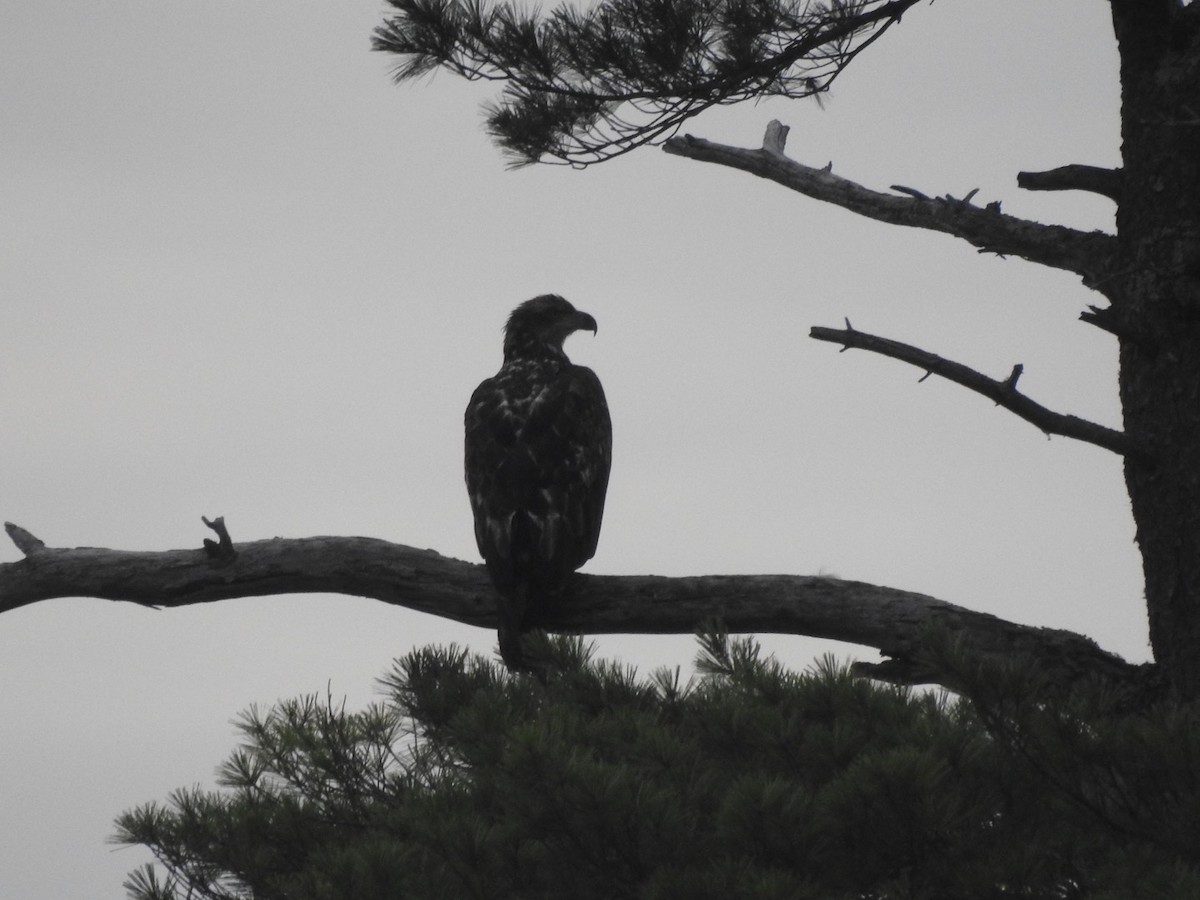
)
(538, 454)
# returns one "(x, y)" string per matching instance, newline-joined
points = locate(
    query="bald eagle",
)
(538, 452)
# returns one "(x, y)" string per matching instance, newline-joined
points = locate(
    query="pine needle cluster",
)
(583, 83)
(748, 781)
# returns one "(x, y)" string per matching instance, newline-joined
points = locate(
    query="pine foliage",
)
(750, 781)
(585, 82)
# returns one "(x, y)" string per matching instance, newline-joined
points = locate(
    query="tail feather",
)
(513, 605)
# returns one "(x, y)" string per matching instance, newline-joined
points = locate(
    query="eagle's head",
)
(539, 326)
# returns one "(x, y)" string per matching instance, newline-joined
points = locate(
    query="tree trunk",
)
(1155, 295)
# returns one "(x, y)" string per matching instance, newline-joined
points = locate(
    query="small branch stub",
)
(1013, 377)
(775, 138)
(1105, 182)
(222, 552)
(912, 192)
(26, 542)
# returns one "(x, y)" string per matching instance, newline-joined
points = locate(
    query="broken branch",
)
(1075, 177)
(1088, 254)
(220, 550)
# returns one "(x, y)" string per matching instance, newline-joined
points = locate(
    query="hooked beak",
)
(583, 322)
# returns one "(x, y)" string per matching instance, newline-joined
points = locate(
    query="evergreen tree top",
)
(750, 781)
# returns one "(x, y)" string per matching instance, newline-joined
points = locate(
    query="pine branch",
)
(905, 626)
(1075, 177)
(1086, 254)
(585, 83)
(1004, 393)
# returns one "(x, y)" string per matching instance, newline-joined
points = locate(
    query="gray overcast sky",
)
(245, 275)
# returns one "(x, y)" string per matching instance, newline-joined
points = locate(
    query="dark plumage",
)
(538, 452)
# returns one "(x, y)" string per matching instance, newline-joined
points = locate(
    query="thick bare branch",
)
(1085, 253)
(1106, 182)
(899, 623)
(1004, 393)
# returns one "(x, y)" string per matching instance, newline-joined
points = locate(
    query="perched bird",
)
(538, 452)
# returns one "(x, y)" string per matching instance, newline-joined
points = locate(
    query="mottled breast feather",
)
(538, 454)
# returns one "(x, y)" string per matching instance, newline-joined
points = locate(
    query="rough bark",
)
(911, 629)
(1155, 292)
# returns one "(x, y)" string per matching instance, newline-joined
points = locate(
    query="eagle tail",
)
(513, 605)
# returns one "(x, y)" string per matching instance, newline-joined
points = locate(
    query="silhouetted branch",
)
(581, 83)
(1106, 182)
(902, 625)
(1004, 393)
(1086, 253)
